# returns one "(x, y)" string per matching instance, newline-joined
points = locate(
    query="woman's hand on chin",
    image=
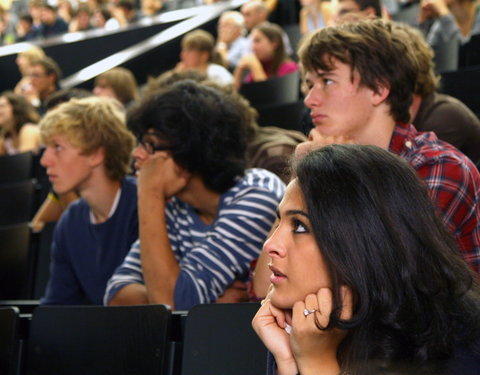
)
(270, 324)
(315, 350)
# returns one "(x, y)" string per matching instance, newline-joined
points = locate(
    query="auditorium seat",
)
(99, 340)
(219, 339)
(40, 260)
(14, 261)
(278, 90)
(15, 168)
(463, 84)
(16, 202)
(469, 54)
(9, 340)
(286, 116)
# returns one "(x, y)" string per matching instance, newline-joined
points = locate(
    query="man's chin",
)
(303, 149)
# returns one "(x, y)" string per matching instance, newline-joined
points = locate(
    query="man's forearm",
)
(159, 266)
(131, 294)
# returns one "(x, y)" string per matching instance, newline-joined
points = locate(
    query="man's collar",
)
(400, 134)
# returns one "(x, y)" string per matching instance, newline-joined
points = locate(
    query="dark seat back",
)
(16, 202)
(469, 54)
(286, 116)
(14, 261)
(15, 168)
(463, 84)
(9, 340)
(99, 340)
(278, 90)
(41, 243)
(219, 339)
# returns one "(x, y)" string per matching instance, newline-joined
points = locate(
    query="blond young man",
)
(88, 151)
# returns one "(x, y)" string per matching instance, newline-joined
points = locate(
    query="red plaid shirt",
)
(453, 182)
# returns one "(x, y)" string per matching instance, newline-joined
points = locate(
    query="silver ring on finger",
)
(307, 312)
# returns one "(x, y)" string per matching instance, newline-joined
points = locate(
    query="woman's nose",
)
(274, 246)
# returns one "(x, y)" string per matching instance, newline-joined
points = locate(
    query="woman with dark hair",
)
(365, 278)
(269, 58)
(18, 132)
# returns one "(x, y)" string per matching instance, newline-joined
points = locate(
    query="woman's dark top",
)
(466, 361)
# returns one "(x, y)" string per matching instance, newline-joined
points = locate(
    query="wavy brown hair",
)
(380, 56)
(23, 110)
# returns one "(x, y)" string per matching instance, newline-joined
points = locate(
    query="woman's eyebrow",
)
(293, 212)
(297, 212)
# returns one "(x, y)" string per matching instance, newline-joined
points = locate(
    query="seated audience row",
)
(378, 115)
(217, 215)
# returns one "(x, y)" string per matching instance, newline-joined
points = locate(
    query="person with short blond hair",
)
(87, 151)
(119, 83)
(198, 53)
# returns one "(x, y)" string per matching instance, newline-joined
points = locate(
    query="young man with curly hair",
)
(203, 216)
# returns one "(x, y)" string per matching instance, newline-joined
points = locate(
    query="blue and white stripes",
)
(212, 256)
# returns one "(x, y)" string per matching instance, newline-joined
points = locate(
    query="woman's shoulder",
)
(287, 67)
(466, 359)
(31, 127)
(29, 137)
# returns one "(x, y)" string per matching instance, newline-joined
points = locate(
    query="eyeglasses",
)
(36, 75)
(149, 146)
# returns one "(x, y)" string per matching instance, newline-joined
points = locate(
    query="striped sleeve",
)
(226, 250)
(129, 272)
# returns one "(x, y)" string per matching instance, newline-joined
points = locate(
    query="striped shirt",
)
(212, 256)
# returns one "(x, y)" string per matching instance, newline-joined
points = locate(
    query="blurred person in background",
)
(232, 44)
(44, 75)
(51, 23)
(81, 19)
(198, 54)
(314, 14)
(24, 61)
(118, 83)
(24, 28)
(268, 58)
(18, 129)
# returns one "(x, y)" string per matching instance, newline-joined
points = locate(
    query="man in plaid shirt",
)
(360, 78)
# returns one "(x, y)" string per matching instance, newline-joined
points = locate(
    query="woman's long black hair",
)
(415, 298)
